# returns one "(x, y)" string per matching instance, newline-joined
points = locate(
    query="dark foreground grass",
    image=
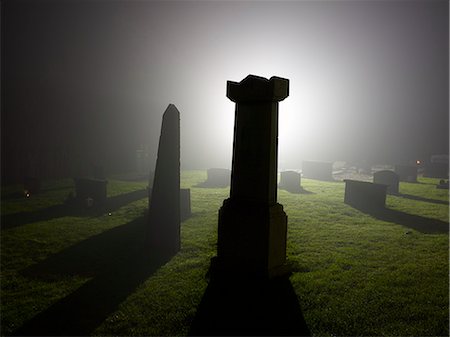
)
(354, 273)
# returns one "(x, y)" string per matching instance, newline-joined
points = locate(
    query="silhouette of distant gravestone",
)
(317, 170)
(290, 181)
(216, 177)
(365, 195)
(406, 173)
(252, 225)
(164, 204)
(388, 178)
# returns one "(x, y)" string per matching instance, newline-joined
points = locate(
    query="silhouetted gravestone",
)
(216, 177)
(90, 192)
(164, 206)
(406, 173)
(437, 167)
(317, 170)
(365, 195)
(389, 178)
(185, 203)
(249, 292)
(290, 181)
(252, 225)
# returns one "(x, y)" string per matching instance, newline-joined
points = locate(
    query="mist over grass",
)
(353, 273)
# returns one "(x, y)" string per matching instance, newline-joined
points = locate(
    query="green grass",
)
(354, 274)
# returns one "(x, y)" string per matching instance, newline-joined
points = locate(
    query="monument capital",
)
(258, 89)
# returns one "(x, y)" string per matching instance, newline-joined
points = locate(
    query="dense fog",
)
(87, 83)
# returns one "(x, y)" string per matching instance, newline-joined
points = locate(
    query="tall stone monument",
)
(252, 225)
(164, 202)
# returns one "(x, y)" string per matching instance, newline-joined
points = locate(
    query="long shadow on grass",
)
(58, 211)
(241, 307)
(117, 260)
(415, 197)
(417, 222)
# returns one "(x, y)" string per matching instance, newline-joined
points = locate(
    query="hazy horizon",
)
(368, 79)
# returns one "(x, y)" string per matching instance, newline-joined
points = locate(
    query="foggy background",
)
(87, 82)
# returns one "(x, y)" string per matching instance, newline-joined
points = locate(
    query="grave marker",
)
(164, 207)
(365, 195)
(290, 181)
(406, 173)
(252, 225)
(317, 170)
(388, 178)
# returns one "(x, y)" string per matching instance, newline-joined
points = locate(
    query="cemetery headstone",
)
(317, 170)
(216, 177)
(164, 204)
(252, 226)
(290, 181)
(388, 178)
(365, 195)
(406, 173)
(438, 167)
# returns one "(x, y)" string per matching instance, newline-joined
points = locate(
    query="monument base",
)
(251, 240)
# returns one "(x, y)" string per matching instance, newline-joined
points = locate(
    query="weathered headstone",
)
(90, 192)
(252, 225)
(437, 167)
(164, 204)
(317, 170)
(388, 178)
(216, 177)
(406, 173)
(290, 181)
(365, 195)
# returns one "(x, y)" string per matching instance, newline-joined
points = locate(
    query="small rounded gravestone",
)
(389, 178)
(290, 181)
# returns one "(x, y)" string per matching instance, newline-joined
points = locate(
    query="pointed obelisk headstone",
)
(252, 225)
(164, 205)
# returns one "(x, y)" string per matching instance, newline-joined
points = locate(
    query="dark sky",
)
(369, 79)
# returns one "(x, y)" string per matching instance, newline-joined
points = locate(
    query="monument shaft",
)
(252, 225)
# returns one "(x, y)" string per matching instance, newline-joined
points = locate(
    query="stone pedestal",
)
(252, 225)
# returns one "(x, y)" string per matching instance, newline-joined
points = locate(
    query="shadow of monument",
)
(113, 203)
(118, 260)
(241, 307)
(417, 222)
(415, 197)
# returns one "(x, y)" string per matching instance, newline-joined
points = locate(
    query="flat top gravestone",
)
(290, 181)
(406, 173)
(252, 225)
(388, 178)
(365, 195)
(317, 170)
(164, 204)
(216, 177)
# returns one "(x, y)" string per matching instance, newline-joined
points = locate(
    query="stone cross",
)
(252, 225)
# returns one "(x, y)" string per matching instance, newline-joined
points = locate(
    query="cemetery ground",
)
(353, 273)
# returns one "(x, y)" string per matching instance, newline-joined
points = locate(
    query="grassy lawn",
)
(354, 273)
